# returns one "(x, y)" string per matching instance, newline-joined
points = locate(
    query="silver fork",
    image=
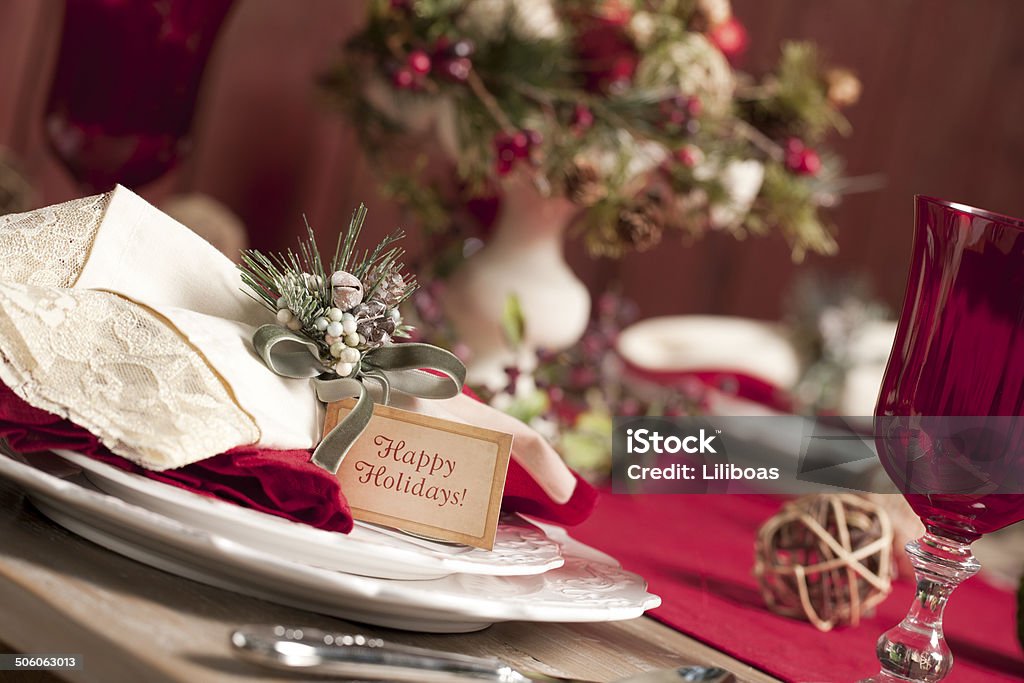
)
(355, 656)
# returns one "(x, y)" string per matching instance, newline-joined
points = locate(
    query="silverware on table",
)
(354, 656)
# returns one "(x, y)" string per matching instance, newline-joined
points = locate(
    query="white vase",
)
(524, 259)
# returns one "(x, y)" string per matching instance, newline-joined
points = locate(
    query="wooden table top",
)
(62, 594)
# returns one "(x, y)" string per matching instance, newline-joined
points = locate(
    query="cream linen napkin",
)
(118, 317)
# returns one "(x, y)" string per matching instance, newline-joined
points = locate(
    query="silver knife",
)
(355, 656)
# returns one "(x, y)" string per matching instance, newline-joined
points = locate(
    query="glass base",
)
(915, 650)
(883, 677)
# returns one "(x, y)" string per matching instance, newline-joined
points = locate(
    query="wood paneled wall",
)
(942, 113)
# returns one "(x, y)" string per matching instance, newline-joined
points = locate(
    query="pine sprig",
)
(347, 240)
(347, 310)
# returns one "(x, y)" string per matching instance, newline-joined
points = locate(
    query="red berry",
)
(504, 152)
(804, 161)
(403, 78)
(795, 145)
(582, 118)
(457, 69)
(511, 147)
(730, 37)
(520, 145)
(694, 106)
(419, 62)
(688, 156)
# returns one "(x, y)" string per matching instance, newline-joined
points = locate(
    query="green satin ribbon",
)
(393, 368)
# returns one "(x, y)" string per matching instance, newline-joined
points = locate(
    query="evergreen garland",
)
(628, 107)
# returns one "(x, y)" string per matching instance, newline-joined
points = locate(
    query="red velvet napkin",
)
(281, 483)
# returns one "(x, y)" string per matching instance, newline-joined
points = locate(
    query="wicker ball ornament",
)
(826, 558)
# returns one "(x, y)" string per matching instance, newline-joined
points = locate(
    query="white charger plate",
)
(520, 548)
(589, 587)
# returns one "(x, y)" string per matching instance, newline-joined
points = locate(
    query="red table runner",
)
(698, 554)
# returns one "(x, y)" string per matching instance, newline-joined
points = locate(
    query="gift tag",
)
(436, 478)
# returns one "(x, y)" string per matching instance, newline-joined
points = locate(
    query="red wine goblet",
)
(947, 424)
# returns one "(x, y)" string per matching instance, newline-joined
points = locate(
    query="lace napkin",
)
(124, 322)
(121, 319)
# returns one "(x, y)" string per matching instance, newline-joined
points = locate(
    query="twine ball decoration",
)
(826, 558)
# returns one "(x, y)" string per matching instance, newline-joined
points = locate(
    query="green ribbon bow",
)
(394, 368)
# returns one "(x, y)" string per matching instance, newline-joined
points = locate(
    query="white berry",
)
(284, 316)
(321, 324)
(295, 324)
(282, 303)
(352, 339)
(348, 325)
(335, 314)
(348, 355)
(335, 329)
(338, 349)
(344, 369)
(328, 339)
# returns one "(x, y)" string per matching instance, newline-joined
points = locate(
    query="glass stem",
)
(915, 650)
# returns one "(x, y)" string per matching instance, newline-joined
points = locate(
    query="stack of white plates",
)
(373, 575)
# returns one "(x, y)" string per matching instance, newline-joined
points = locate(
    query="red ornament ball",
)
(730, 37)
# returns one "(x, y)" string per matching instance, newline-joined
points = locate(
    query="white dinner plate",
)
(589, 587)
(520, 548)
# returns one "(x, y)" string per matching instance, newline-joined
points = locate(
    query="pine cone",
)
(374, 308)
(377, 332)
(391, 288)
(583, 184)
(373, 323)
(638, 228)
